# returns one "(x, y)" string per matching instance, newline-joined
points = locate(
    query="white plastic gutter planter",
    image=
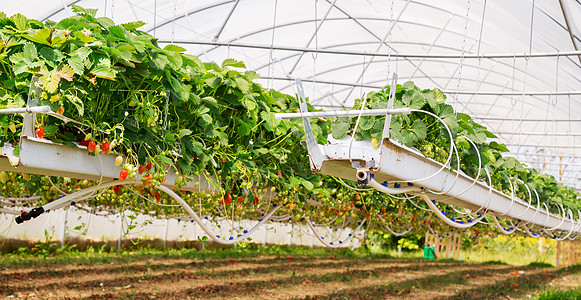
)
(396, 169)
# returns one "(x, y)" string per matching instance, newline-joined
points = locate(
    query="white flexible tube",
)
(391, 191)
(446, 219)
(329, 245)
(207, 230)
(501, 228)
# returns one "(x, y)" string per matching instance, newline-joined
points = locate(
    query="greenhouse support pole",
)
(312, 241)
(265, 235)
(398, 251)
(165, 234)
(120, 230)
(64, 230)
(290, 235)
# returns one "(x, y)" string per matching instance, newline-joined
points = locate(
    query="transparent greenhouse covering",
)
(514, 66)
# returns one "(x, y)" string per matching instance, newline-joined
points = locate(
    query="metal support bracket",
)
(316, 157)
(363, 174)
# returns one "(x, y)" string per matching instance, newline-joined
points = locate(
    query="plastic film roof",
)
(509, 64)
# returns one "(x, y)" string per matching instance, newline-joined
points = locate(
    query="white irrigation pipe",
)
(501, 228)
(562, 221)
(451, 146)
(341, 243)
(446, 220)
(9, 211)
(530, 199)
(511, 197)
(207, 230)
(479, 168)
(378, 186)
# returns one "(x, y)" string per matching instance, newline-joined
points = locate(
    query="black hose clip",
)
(25, 216)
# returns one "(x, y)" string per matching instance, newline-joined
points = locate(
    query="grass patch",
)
(540, 264)
(560, 295)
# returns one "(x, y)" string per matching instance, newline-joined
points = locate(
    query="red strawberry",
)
(92, 146)
(106, 146)
(84, 142)
(255, 201)
(39, 132)
(367, 217)
(117, 189)
(141, 169)
(228, 200)
(123, 174)
(61, 110)
(163, 179)
(147, 180)
(241, 199)
(148, 167)
(157, 196)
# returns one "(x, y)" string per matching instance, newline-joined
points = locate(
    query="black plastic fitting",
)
(25, 216)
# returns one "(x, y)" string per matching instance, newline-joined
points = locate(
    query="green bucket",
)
(429, 252)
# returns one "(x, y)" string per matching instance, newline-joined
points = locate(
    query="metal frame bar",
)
(225, 20)
(463, 92)
(343, 113)
(371, 54)
(566, 16)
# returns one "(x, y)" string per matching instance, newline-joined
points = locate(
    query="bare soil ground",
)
(280, 277)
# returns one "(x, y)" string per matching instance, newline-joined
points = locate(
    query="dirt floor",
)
(281, 277)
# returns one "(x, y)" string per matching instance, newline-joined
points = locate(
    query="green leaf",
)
(413, 99)
(447, 115)
(251, 75)
(308, 185)
(243, 84)
(184, 132)
(499, 147)
(105, 22)
(166, 160)
(50, 130)
(409, 85)
(50, 82)
(81, 10)
(207, 118)
(214, 82)
(230, 62)
(20, 21)
(170, 137)
(133, 25)
(51, 56)
(419, 129)
(430, 99)
(174, 48)
(269, 118)
(102, 71)
(339, 130)
(30, 52)
(178, 87)
(76, 63)
(366, 123)
(242, 128)
(41, 36)
(248, 103)
(84, 52)
(439, 96)
(118, 32)
(294, 181)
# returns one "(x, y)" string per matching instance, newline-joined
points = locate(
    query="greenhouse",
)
(360, 149)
